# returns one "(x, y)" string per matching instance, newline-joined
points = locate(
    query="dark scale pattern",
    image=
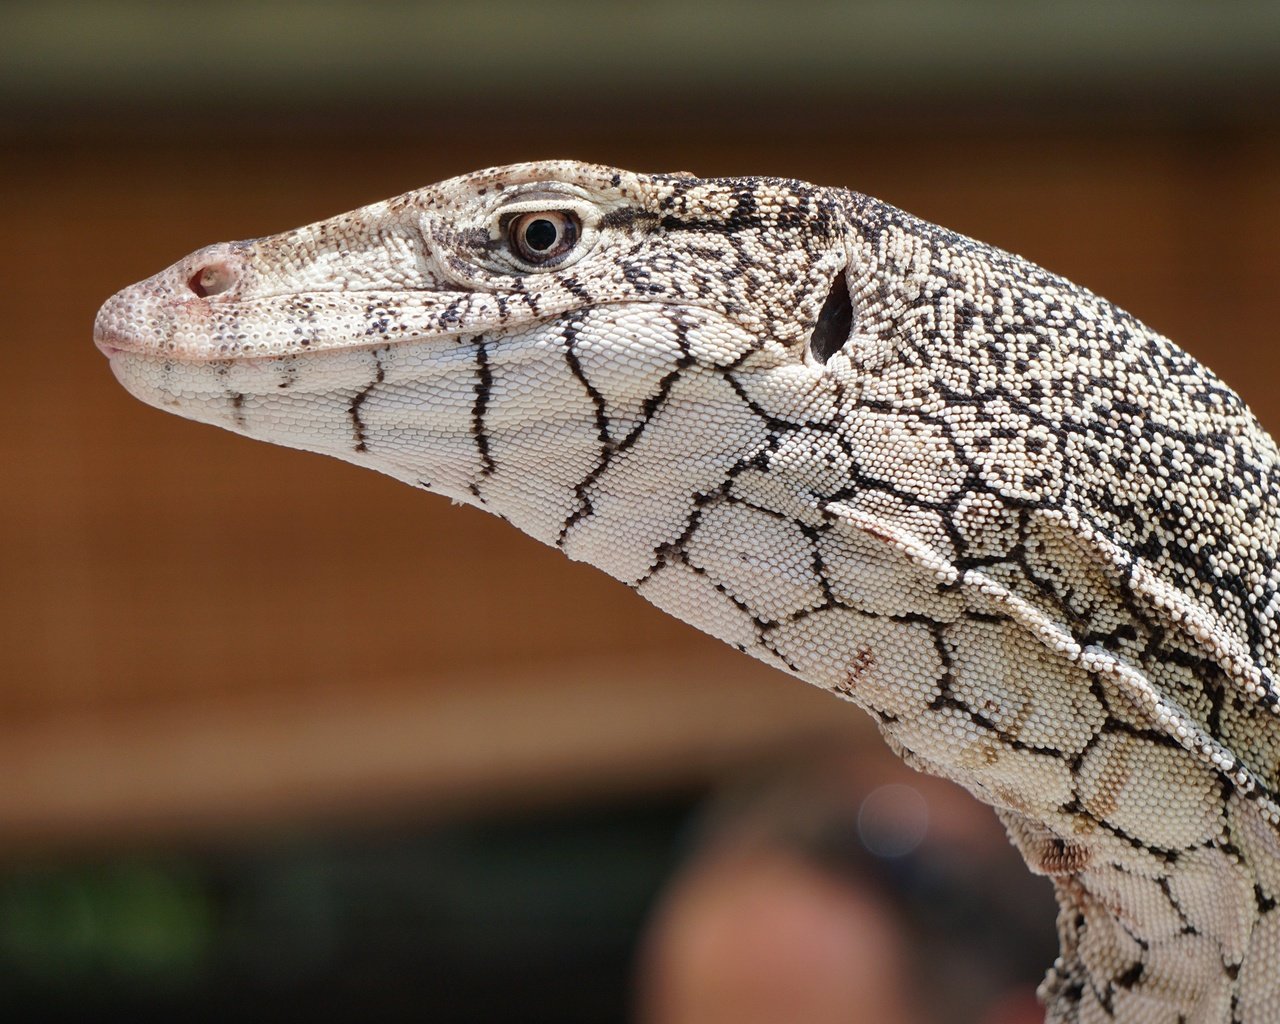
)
(1034, 539)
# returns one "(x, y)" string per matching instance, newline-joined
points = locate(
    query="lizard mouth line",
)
(245, 347)
(115, 345)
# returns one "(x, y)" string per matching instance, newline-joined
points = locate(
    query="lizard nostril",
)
(213, 279)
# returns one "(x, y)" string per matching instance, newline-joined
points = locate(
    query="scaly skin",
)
(1033, 538)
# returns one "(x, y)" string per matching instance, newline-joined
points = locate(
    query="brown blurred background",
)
(232, 674)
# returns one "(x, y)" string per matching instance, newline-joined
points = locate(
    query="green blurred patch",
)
(130, 921)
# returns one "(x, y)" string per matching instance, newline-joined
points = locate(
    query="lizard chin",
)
(398, 409)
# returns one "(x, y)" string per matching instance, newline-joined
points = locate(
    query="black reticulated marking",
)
(571, 330)
(775, 423)
(484, 384)
(835, 321)
(609, 448)
(361, 396)
(1167, 891)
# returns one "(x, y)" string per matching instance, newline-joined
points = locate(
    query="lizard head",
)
(508, 338)
(1036, 539)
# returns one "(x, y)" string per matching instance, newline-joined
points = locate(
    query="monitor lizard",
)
(1033, 538)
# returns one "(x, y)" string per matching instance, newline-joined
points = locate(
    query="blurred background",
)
(281, 738)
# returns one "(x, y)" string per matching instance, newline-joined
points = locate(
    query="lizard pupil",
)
(540, 235)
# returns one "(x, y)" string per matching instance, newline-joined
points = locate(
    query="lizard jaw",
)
(251, 320)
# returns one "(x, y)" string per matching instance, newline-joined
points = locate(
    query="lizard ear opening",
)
(835, 321)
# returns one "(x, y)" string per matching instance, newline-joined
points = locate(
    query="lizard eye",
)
(544, 237)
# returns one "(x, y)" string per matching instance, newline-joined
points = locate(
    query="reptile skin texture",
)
(1033, 538)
